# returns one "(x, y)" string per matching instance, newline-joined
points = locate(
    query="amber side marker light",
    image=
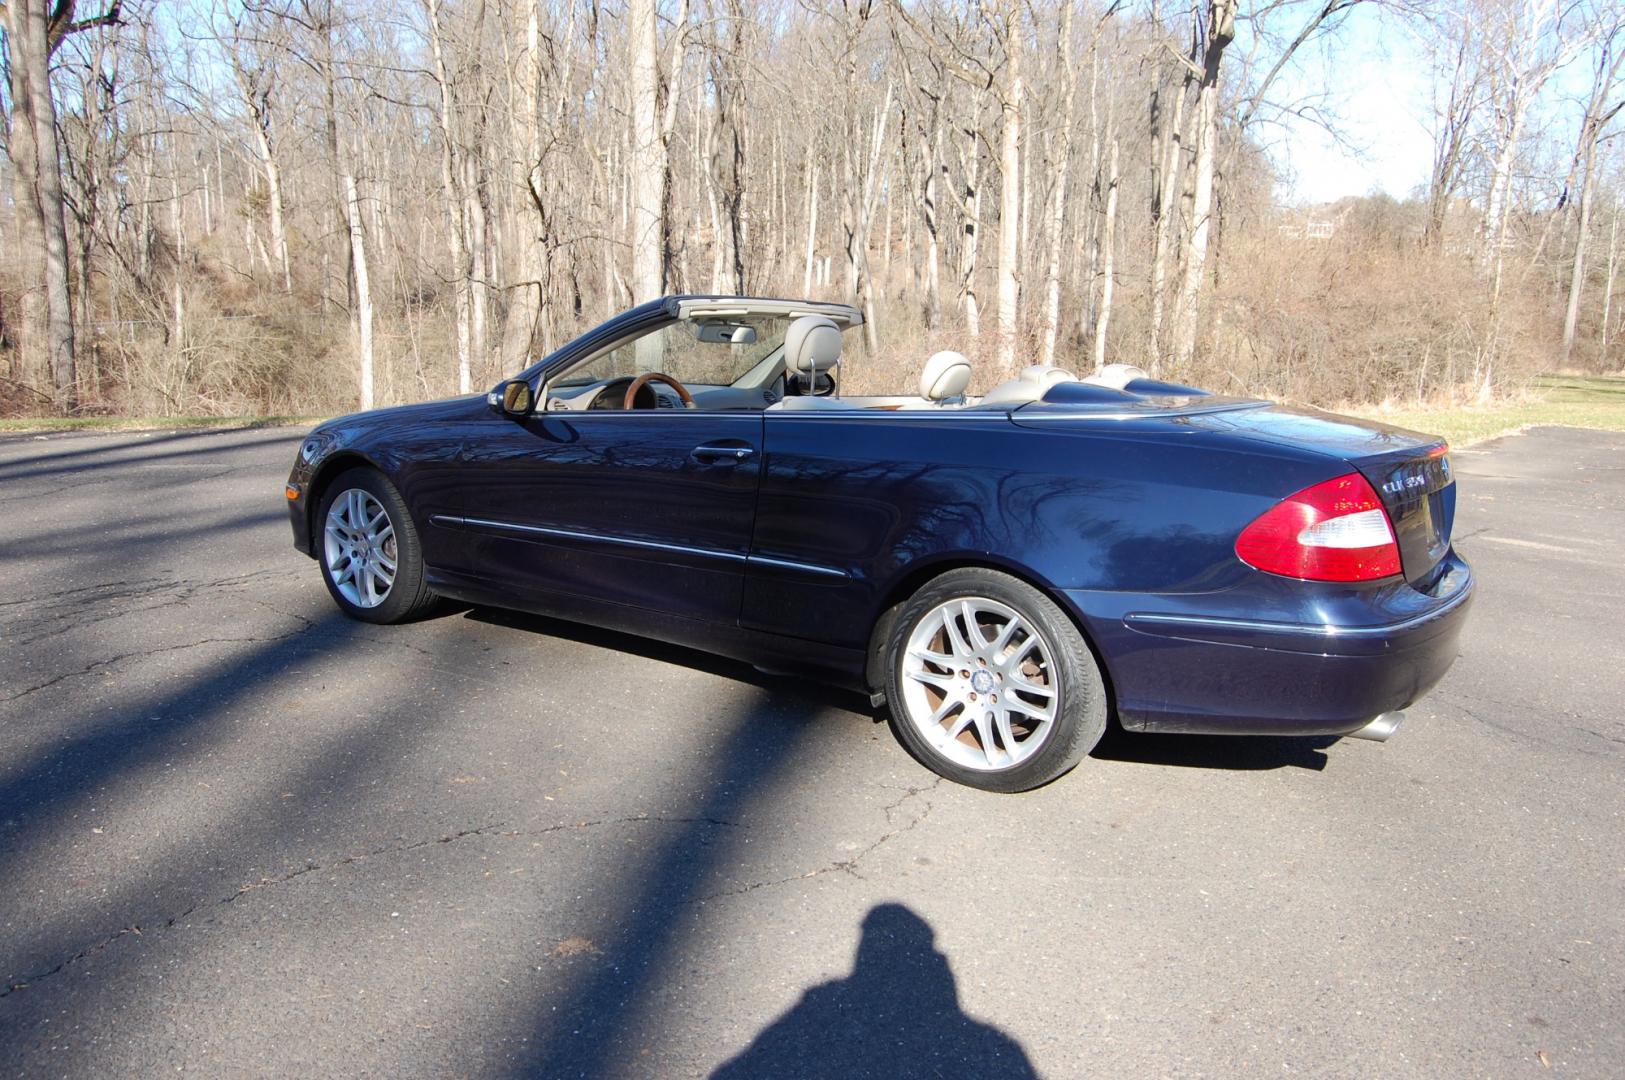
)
(292, 491)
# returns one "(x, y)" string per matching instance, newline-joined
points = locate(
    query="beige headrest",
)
(945, 376)
(812, 344)
(1116, 376)
(1046, 375)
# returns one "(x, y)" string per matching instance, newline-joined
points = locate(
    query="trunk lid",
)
(1419, 492)
(1410, 470)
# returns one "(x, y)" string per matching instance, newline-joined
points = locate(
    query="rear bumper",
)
(1259, 674)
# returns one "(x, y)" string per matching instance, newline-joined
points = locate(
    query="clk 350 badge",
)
(1405, 483)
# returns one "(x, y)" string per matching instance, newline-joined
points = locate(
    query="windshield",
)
(698, 353)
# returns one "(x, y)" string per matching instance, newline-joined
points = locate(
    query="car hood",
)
(401, 414)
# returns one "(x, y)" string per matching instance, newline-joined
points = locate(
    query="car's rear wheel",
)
(369, 551)
(990, 684)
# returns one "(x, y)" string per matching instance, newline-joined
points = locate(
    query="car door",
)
(647, 508)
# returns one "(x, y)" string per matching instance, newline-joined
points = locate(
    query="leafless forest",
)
(299, 206)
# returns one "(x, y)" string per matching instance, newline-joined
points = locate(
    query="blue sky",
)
(1371, 79)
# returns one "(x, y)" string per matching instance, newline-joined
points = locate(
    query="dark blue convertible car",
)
(1005, 572)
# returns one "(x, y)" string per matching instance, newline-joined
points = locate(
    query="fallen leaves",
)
(574, 946)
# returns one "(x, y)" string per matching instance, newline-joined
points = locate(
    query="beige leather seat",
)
(1030, 385)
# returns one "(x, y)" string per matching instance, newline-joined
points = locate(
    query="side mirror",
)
(512, 398)
(821, 384)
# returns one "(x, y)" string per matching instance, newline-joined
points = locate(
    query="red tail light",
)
(1334, 531)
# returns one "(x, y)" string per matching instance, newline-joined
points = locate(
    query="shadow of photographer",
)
(896, 1016)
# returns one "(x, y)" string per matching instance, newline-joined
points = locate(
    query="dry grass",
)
(1564, 401)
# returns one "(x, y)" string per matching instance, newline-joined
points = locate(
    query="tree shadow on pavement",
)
(896, 1016)
(807, 689)
(57, 462)
(1242, 753)
(657, 905)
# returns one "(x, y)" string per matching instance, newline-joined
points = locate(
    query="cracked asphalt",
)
(240, 835)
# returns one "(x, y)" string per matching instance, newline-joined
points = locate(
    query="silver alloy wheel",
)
(359, 546)
(980, 684)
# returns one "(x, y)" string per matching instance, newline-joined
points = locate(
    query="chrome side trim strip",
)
(806, 568)
(597, 538)
(648, 545)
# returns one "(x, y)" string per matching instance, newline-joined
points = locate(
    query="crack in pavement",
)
(1471, 705)
(64, 609)
(96, 665)
(495, 829)
(99, 587)
(842, 866)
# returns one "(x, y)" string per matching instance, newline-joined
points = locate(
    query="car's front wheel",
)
(369, 551)
(990, 684)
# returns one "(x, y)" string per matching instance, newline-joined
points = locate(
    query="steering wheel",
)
(655, 376)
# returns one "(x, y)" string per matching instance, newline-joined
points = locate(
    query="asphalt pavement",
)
(241, 835)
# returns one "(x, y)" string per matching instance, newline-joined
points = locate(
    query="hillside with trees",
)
(302, 206)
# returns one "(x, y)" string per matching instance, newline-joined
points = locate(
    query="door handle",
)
(709, 454)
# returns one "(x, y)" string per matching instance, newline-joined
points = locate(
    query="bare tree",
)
(362, 316)
(521, 169)
(1061, 169)
(255, 76)
(1006, 19)
(1600, 111)
(1218, 30)
(1459, 59)
(35, 30)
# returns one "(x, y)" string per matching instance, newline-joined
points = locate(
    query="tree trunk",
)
(1165, 183)
(452, 197)
(1608, 289)
(30, 365)
(361, 318)
(1010, 102)
(1597, 116)
(812, 229)
(256, 98)
(1061, 165)
(970, 239)
(931, 208)
(1588, 187)
(648, 174)
(33, 30)
(1108, 260)
(177, 284)
(1221, 30)
(527, 290)
(479, 261)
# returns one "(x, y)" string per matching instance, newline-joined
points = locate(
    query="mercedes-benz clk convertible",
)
(1006, 573)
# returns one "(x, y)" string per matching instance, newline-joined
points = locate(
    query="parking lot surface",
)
(240, 835)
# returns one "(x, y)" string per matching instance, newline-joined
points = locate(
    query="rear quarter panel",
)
(1116, 505)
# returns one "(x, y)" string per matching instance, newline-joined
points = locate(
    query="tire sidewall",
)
(1080, 718)
(404, 592)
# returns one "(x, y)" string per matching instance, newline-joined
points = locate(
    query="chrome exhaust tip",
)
(1382, 728)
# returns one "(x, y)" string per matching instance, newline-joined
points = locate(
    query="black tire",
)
(1076, 721)
(408, 596)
